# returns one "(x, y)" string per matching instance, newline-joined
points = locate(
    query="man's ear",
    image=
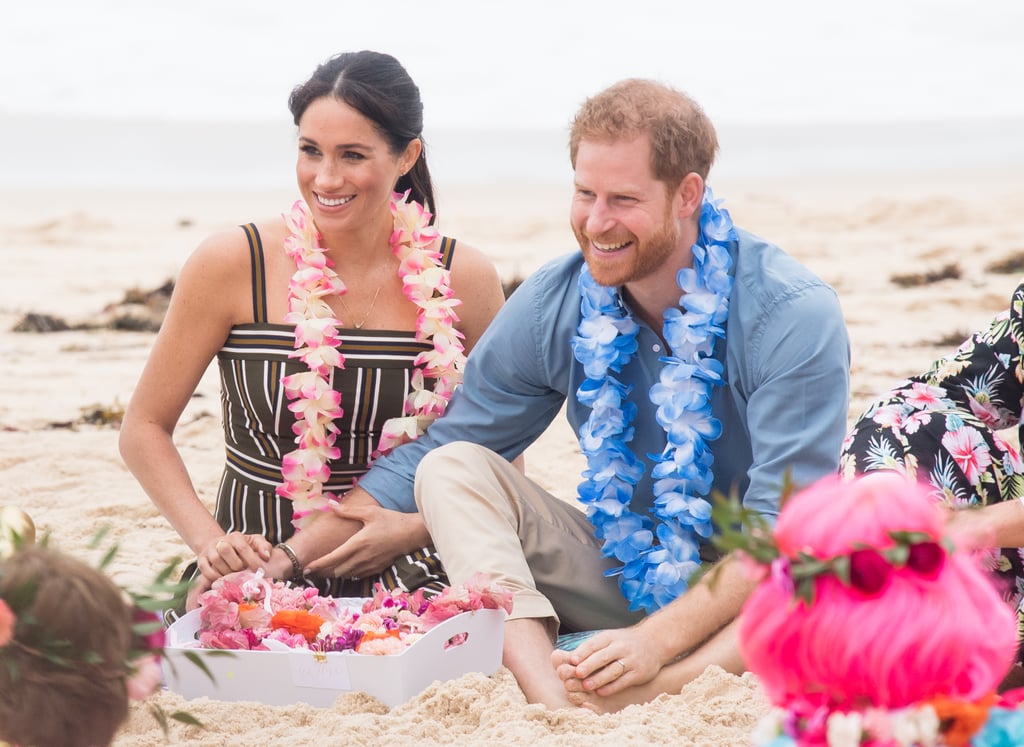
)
(690, 195)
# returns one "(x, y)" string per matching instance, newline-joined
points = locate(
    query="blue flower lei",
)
(652, 574)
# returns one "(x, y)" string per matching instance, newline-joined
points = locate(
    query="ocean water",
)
(47, 151)
(193, 94)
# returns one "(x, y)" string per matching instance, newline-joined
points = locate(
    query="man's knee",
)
(437, 461)
(448, 467)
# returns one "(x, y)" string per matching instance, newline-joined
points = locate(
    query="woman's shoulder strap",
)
(259, 274)
(447, 251)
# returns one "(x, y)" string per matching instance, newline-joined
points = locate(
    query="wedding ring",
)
(622, 664)
(220, 544)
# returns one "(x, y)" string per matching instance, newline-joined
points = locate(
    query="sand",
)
(74, 253)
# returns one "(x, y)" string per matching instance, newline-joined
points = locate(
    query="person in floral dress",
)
(953, 428)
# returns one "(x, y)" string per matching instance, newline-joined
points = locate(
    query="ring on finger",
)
(220, 544)
(622, 664)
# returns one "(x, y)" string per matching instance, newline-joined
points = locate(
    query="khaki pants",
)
(485, 516)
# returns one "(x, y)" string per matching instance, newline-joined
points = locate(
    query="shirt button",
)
(656, 348)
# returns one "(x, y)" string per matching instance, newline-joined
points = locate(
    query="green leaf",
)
(197, 660)
(841, 567)
(146, 627)
(91, 657)
(150, 604)
(808, 566)
(897, 555)
(805, 590)
(710, 573)
(187, 718)
(99, 536)
(108, 558)
(21, 598)
(168, 571)
(910, 538)
(160, 716)
(731, 519)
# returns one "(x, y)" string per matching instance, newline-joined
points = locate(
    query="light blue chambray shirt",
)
(783, 408)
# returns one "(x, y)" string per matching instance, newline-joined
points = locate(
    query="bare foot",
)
(611, 703)
(527, 653)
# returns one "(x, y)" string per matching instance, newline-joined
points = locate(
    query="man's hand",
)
(610, 661)
(383, 536)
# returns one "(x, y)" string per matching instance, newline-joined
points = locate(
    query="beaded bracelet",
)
(296, 565)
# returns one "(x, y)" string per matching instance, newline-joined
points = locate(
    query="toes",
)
(573, 685)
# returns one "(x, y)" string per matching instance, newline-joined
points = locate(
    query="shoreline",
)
(189, 154)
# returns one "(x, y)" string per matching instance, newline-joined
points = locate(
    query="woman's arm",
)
(995, 525)
(211, 294)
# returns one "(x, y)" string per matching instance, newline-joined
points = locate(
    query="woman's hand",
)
(233, 552)
(383, 536)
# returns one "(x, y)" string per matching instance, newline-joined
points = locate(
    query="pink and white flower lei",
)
(315, 402)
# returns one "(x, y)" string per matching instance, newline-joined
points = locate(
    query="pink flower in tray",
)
(235, 640)
(241, 611)
(219, 612)
(478, 593)
(254, 616)
(380, 645)
(292, 640)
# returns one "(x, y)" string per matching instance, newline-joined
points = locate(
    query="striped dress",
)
(258, 424)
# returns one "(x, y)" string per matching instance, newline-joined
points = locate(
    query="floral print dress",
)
(943, 428)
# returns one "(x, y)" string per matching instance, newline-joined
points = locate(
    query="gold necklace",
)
(359, 325)
(373, 301)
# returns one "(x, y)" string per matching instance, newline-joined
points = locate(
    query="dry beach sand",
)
(918, 260)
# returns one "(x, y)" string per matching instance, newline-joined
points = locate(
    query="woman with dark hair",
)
(380, 89)
(337, 338)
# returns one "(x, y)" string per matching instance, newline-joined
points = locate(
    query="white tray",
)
(302, 676)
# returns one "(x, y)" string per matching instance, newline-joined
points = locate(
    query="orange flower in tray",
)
(298, 622)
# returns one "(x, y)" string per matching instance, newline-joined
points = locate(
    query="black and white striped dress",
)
(258, 424)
